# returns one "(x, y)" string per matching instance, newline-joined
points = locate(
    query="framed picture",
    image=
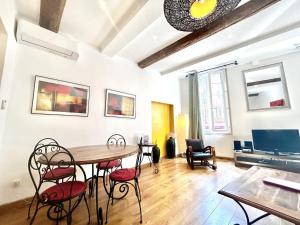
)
(119, 104)
(58, 97)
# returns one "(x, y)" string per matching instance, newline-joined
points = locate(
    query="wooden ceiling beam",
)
(244, 11)
(50, 14)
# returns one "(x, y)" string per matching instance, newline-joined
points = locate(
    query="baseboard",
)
(225, 158)
(19, 204)
(22, 203)
(182, 155)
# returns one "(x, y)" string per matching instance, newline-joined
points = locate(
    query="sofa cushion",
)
(108, 164)
(201, 155)
(123, 175)
(63, 191)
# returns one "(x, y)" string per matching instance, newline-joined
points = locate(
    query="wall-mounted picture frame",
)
(57, 97)
(119, 104)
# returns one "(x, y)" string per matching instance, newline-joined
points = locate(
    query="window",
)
(214, 104)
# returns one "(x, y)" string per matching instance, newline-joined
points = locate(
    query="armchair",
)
(198, 155)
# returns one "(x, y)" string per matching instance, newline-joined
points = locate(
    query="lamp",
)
(202, 8)
(191, 15)
(181, 131)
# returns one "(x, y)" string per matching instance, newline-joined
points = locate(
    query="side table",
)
(148, 153)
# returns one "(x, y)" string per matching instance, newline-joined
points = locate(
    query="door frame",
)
(3, 44)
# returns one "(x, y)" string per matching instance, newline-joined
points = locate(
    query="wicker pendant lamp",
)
(191, 15)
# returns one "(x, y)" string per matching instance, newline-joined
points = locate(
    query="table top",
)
(98, 153)
(251, 190)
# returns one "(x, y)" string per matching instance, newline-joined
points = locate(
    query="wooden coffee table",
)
(251, 190)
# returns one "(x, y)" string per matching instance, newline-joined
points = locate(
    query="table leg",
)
(149, 154)
(247, 217)
(91, 182)
(150, 157)
(104, 178)
(98, 209)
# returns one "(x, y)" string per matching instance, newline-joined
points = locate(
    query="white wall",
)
(23, 129)
(7, 14)
(242, 120)
(3, 41)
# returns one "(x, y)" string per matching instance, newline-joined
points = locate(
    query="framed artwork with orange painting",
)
(119, 104)
(57, 97)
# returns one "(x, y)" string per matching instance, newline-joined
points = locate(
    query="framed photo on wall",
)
(57, 97)
(119, 104)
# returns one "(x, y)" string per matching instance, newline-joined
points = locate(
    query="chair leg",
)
(35, 212)
(32, 200)
(69, 216)
(214, 159)
(139, 197)
(188, 157)
(84, 197)
(69, 219)
(112, 193)
(59, 212)
(192, 163)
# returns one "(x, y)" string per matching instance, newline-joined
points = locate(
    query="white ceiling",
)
(134, 29)
(90, 21)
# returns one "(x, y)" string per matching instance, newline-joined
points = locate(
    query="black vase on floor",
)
(171, 148)
(155, 154)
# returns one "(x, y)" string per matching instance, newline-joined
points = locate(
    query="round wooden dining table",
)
(99, 153)
(93, 154)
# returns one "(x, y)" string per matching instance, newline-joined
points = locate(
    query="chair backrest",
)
(139, 159)
(116, 140)
(196, 144)
(46, 159)
(46, 141)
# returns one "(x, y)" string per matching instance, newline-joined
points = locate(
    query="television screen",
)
(277, 141)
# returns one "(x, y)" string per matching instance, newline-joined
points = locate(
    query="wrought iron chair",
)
(58, 173)
(124, 178)
(198, 155)
(108, 166)
(55, 186)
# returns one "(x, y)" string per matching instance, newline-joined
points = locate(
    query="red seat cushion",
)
(59, 173)
(122, 175)
(62, 191)
(111, 164)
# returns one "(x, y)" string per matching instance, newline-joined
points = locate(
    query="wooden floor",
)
(175, 196)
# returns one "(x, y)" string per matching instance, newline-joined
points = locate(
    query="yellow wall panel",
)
(162, 124)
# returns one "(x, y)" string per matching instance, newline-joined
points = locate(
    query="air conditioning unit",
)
(38, 37)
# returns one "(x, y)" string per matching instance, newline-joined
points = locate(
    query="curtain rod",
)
(213, 68)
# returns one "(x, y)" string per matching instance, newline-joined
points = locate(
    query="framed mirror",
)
(266, 88)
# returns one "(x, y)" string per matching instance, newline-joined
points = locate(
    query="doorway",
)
(3, 42)
(162, 124)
